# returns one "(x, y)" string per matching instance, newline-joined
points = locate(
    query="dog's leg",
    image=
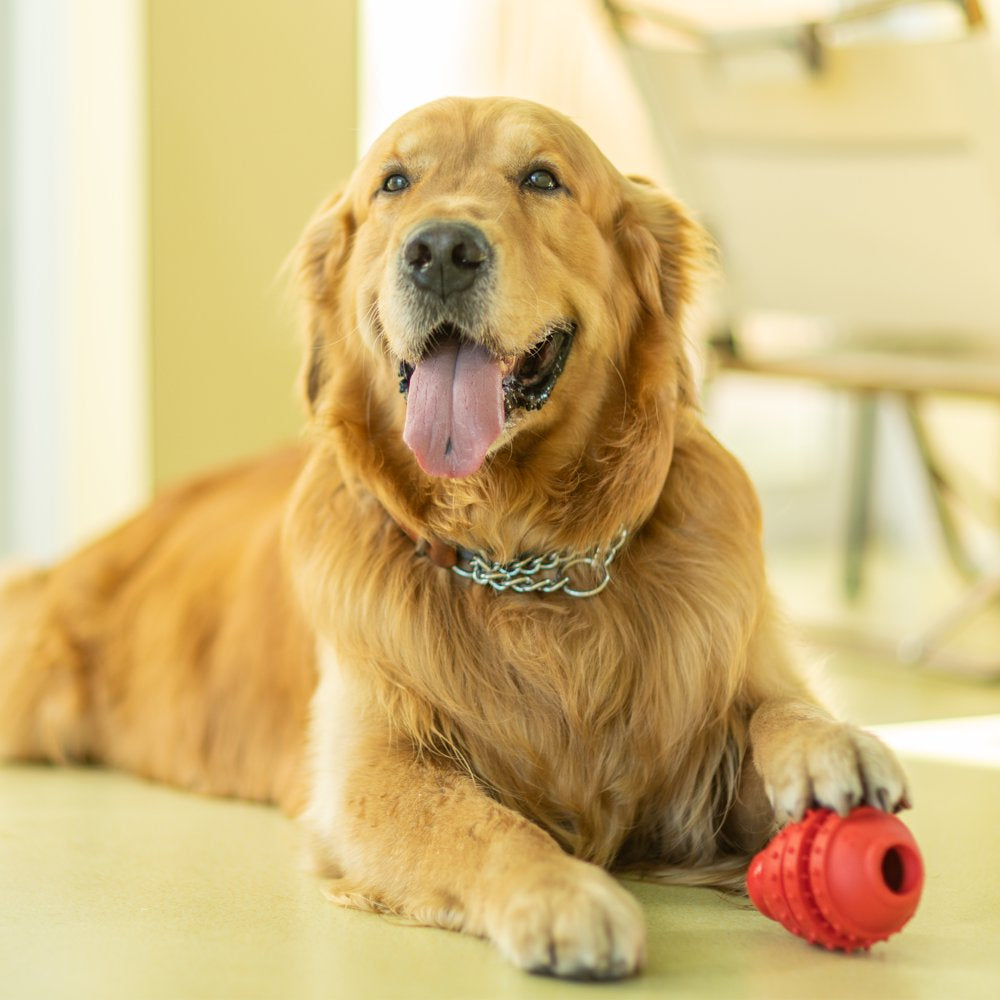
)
(416, 835)
(806, 758)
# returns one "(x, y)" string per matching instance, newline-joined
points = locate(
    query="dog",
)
(498, 625)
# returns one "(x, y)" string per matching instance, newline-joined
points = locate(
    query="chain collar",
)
(542, 574)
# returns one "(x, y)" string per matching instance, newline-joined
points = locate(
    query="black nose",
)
(446, 257)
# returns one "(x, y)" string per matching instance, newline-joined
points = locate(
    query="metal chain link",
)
(542, 574)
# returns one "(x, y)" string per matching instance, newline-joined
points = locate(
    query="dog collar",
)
(544, 574)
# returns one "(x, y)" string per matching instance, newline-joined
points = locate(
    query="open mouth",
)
(528, 380)
(459, 396)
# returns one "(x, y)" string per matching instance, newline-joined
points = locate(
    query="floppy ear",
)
(666, 254)
(669, 252)
(321, 260)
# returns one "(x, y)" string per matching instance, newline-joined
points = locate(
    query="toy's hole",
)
(900, 869)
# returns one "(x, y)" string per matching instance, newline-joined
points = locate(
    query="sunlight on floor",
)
(971, 741)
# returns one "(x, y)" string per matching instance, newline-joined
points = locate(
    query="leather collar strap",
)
(440, 553)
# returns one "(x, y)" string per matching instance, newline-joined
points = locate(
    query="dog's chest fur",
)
(567, 711)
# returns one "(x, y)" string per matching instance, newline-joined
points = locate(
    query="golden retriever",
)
(500, 623)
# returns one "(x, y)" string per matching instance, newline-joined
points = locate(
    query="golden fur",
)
(469, 758)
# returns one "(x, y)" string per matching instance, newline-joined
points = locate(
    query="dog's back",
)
(171, 647)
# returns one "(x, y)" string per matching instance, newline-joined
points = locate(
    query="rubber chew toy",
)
(841, 883)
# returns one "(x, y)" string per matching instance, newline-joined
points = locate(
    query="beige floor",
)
(113, 888)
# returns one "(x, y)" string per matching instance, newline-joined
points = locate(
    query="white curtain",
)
(73, 408)
(558, 52)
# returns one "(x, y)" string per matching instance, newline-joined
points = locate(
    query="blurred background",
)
(158, 159)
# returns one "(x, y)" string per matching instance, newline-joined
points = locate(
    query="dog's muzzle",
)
(460, 391)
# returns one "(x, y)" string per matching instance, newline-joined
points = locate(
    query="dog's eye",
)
(541, 180)
(395, 182)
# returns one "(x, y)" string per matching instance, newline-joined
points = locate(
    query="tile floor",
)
(114, 888)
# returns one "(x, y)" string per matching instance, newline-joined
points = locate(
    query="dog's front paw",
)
(833, 765)
(571, 919)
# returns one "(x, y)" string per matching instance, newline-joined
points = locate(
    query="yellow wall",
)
(252, 121)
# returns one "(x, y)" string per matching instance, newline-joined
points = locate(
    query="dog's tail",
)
(727, 873)
(41, 694)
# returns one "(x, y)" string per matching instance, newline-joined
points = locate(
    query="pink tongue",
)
(454, 409)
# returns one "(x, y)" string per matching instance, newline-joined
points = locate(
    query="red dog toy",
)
(842, 883)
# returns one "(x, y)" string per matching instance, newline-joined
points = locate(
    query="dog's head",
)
(492, 303)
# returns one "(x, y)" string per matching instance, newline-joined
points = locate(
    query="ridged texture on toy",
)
(840, 883)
